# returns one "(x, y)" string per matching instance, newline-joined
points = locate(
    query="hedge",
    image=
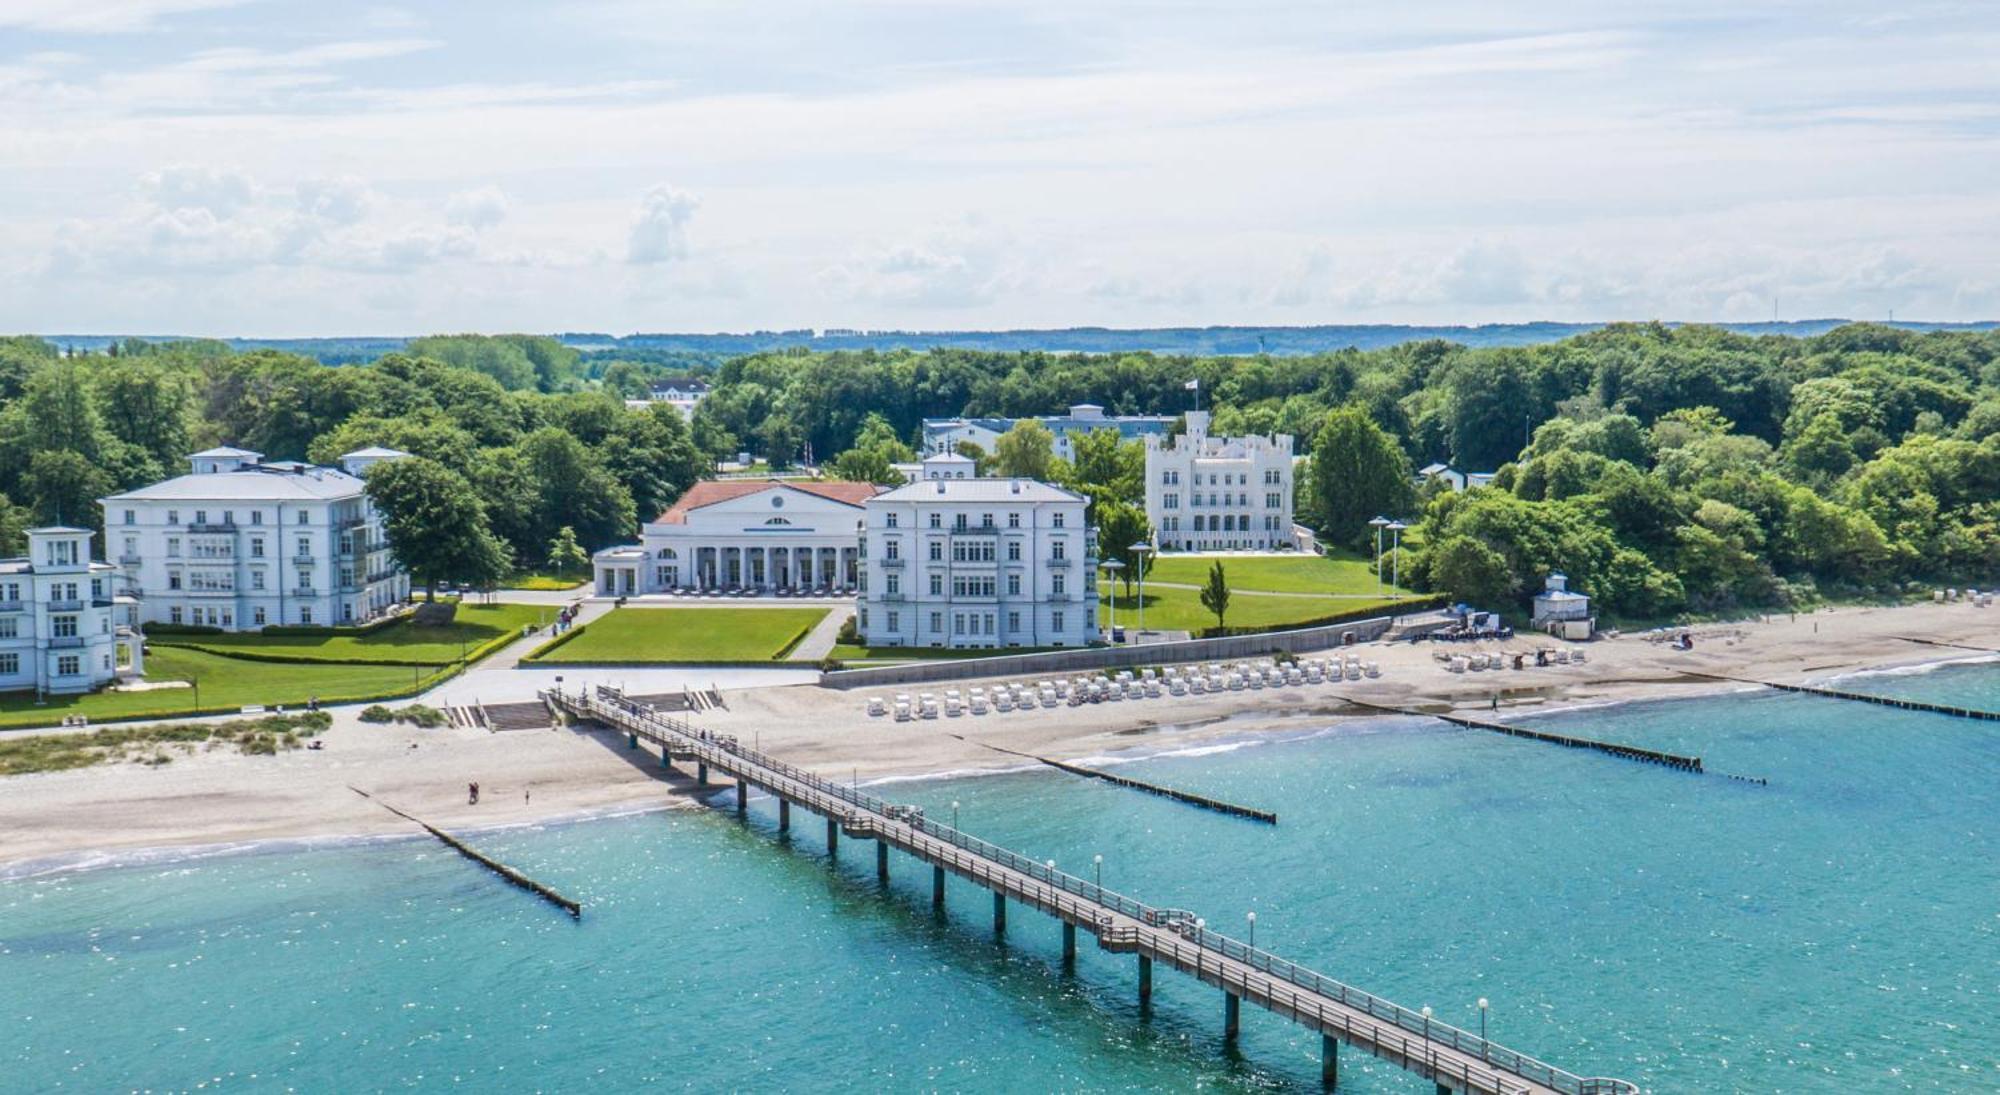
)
(1399, 608)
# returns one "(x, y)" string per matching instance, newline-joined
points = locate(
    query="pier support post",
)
(1069, 944)
(882, 860)
(1145, 982)
(631, 741)
(832, 836)
(1232, 1015)
(742, 797)
(701, 773)
(666, 756)
(999, 913)
(1444, 1089)
(937, 887)
(784, 815)
(1329, 1061)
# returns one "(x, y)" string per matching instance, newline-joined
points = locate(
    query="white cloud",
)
(477, 209)
(194, 187)
(659, 232)
(99, 16)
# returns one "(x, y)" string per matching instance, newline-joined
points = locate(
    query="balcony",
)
(892, 596)
(302, 557)
(1059, 561)
(893, 562)
(131, 560)
(975, 530)
(100, 602)
(211, 526)
(65, 642)
(12, 606)
(349, 522)
(66, 606)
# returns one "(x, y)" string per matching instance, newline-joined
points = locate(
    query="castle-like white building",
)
(952, 561)
(1219, 493)
(63, 625)
(241, 544)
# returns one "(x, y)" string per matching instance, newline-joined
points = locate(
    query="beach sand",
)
(220, 798)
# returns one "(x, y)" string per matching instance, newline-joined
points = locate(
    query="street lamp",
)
(1396, 531)
(1483, 1050)
(1114, 566)
(954, 813)
(1253, 929)
(1139, 551)
(1098, 862)
(1429, 1050)
(1378, 524)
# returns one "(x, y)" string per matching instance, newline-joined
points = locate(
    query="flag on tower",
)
(1193, 385)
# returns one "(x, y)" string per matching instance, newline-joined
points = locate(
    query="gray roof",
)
(59, 528)
(225, 451)
(261, 483)
(1128, 426)
(374, 450)
(977, 490)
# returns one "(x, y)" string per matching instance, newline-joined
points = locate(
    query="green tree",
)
(1358, 473)
(1120, 525)
(435, 524)
(566, 556)
(1215, 595)
(1472, 572)
(63, 488)
(1026, 451)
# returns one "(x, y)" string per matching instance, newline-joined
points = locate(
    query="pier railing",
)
(1098, 907)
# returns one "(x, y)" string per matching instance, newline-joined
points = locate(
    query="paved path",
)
(819, 642)
(509, 656)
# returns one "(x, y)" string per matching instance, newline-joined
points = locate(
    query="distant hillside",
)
(1193, 341)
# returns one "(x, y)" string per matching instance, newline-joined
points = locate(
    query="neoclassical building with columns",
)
(758, 534)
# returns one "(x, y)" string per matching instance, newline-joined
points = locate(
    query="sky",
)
(273, 168)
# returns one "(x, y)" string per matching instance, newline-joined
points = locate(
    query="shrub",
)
(375, 712)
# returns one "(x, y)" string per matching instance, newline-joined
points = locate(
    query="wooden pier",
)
(1453, 1059)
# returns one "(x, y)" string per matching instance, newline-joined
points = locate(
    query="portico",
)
(762, 535)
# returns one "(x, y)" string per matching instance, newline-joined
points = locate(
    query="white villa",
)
(63, 625)
(944, 434)
(964, 562)
(1455, 479)
(239, 544)
(759, 534)
(1219, 493)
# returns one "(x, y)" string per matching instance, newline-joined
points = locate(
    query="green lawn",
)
(1333, 573)
(225, 683)
(543, 581)
(685, 635)
(1181, 609)
(398, 642)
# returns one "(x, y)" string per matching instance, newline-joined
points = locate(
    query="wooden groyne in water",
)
(1268, 817)
(1863, 697)
(468, 851)
(1675, 761)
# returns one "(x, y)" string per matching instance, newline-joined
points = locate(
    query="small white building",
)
(64, 627)
(683, 395)
(761, 534)
(1452, 477)
(240, 544)
(963, 562)
(1562, 612)
(1219, 493)
(944, 434)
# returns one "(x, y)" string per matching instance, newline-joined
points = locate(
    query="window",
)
(1014, 520)
(893, 550)
(305, 547)
(937, 552)
(892, 584)
(305, 518)
(1271, 500)
(1013, 551)
(1013, 622)
(1056, 585)
(1056, 619)
(173, 547)
(174, 614)
(1013, 585)
(257, 579)
(305, 614)
(256, 517)
(69, 665)
(10, 627)
(10, 664)
(201, 517)
(131, 545)
(986, 519)
(173, 579)
(1056, 549)
(257, 615)
(937, 622)
(958, 520)
(1057, 520)
(173, 517)
(937, 585)
(937, 520)
(890, 520)
(257, 547)
(895, 621)
(131, 518)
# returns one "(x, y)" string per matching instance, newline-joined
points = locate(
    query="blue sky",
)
(268, 167)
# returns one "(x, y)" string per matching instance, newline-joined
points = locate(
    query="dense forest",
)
(1666, 469)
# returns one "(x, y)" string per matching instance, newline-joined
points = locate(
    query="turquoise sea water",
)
(1838, 930)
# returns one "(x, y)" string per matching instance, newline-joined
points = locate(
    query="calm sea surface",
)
(1837, 931)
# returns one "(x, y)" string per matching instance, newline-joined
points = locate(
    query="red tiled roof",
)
(710, 491)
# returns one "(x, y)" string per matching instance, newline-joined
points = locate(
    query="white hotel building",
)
(1219, 493)
(955, 562)
(63, 628)
(240, 544)
(767, 535)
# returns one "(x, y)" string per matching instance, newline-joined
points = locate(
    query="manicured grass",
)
(1332, 573)
(1181, 609)
(543, 581)
(635, 636)
(225, 683)
(404, 642)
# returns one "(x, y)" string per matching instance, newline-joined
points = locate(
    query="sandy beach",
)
(223, 798)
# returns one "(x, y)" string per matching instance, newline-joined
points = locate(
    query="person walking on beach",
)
(472, 794)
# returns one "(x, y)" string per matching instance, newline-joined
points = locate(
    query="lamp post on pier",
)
(1097, 861)
(1253, 929)
(1483, 1049)
(954, 813)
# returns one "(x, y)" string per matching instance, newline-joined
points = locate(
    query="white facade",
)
(996, 563)
(1562, 611)
(769, 535)
(240, 544)
(683, 395)
(63, 626)
(1455, 479)
(1219, 493)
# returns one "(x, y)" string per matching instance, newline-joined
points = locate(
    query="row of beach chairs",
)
(1122, 685)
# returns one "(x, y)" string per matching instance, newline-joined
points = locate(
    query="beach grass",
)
(263, 735)
(226, 684)
(404, 642)
(682, 636)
